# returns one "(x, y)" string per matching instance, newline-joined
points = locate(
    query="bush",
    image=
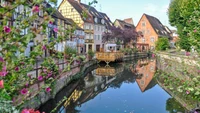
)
(91, 53)
(69, 51)
(162, 44)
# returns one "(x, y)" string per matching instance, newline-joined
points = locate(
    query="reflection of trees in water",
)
(173, 106)
(126, 77)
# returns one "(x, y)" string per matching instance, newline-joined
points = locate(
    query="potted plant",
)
(90, 54)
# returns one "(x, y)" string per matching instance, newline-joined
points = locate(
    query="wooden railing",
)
(109, 56)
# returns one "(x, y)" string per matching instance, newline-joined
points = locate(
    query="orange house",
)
(150, 29)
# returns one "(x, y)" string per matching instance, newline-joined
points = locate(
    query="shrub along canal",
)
(130, 87)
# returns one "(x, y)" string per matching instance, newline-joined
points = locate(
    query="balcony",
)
(89, 40)
(89, 31)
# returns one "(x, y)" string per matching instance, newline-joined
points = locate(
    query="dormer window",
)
(95, 19)
(102, 21)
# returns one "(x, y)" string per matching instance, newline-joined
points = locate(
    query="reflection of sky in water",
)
(128, 99)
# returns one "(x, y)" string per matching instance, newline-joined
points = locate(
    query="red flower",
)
(25, 111)
(35, 9)
(48, 89)
(24, 91)
(195, 30)
(6, 29)
(17, 68)
(1, 84)
(50, 22)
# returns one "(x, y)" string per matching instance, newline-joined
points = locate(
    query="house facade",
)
(150, 29)
(74, 10)
(99, 26)
(78, 37)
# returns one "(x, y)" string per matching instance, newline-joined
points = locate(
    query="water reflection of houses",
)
(146, 68)
(93, 84)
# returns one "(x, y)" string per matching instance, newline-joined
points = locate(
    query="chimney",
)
(129, 20)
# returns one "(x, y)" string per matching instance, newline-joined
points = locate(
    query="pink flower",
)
(35, 9)
(40, 78)
(6, 29)
(187, 92)
(195, 30)
(1, 59)
(3, 72)
(153, 55)
(44, 47)
(187, 53)
(24, 91)
(49, 75)
(48, 89)
(198, 71)
(55, 30)
(26, 84)
(195, 112)
(1, 84)
(17, 68)
(50, 22)
(25, 111)
(22, 63)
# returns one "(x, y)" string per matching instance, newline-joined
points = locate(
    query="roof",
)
(79, 9)
(93, 12)
(124, 24)
(57, 14)
(73, 23)
(129, 20)
(158, 27)
(108, 22)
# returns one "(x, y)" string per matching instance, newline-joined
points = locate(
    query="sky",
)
(122, 9)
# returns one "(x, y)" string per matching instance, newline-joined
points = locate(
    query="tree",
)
(162, 44)
(117, 35)
(183, 14)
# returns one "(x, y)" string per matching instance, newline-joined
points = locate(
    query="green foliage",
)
(184, 15)
(69, 51)
(91, 53)
(162, 44)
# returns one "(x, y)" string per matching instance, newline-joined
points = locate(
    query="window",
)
(98, 28)
(143, 32)
(98, 37)
(90, 27)
(152, 39)
(72, 9)
(143, 40)
(143, 24)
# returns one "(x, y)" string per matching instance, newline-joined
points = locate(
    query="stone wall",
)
(63, 81)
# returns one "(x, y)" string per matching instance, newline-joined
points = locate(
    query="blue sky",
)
(121, 9)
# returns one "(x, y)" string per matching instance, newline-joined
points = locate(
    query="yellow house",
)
(74, 10)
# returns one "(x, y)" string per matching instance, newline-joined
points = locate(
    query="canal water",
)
(130, 87)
